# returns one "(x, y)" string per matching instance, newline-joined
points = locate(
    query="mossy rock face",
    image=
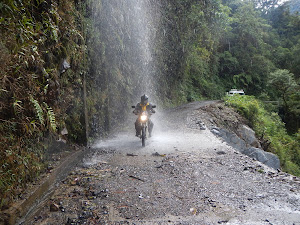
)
(36, 38)
(76, 128)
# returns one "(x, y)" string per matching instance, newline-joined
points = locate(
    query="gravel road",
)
(184, 175)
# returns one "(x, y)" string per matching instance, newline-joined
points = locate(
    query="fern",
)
(38, 110)
(51, 117)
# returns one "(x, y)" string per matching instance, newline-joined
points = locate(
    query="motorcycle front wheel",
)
(143, 136)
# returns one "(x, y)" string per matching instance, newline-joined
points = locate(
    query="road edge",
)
(25, 209)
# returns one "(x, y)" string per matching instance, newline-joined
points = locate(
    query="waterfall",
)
(123, 43)
(142, 31)
(129, 27)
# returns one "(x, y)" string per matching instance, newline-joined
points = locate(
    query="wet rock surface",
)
(184, 175)
(224, 122)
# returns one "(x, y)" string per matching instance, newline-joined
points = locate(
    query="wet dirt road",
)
(184, 175)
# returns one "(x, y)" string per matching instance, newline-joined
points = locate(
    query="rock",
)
(266, 158)
(201, 125)
(239, 144)
(248, 135)
(223, 221)
(54, 207)
(64, 66)
(233, 140)
(221, 153)
(157, 154)
(216, 131)
(72, 219)
(86, 215)
(193, 211)
(64, 131)
(61, 139)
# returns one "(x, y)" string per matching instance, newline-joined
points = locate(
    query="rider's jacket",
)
(143, 107)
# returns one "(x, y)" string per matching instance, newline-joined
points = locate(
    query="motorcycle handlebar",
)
(153, 106)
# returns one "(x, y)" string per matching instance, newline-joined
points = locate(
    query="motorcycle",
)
(143, 120)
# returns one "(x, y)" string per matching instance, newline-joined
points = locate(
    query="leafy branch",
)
(51, 117)
(38, 110)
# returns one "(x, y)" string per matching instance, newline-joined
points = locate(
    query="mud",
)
(184, 175)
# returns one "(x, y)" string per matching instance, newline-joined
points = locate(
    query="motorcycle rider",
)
(144, 105)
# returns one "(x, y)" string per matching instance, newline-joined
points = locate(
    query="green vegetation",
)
(271, 129)
(294, 6)
(35, 38)
(221, 45)
(251, 45)
(282, 85)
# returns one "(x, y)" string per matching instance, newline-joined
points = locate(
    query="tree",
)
(283, 84)
(282, 81)
(245, 50)
(266, 5)
(294, 6)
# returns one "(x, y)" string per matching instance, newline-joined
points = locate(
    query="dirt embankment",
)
(227, 124)
(219, 115)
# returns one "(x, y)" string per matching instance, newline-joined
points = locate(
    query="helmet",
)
(144, 99)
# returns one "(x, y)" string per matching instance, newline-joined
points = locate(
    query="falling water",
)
(144, 30)
(134, 23)
(144, 33)
(125, 32)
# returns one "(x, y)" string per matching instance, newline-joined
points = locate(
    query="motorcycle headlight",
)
(143, 117)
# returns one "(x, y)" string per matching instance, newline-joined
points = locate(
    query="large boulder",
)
(266, 158)
(248, 135)
(231, 138)
(242, 146)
